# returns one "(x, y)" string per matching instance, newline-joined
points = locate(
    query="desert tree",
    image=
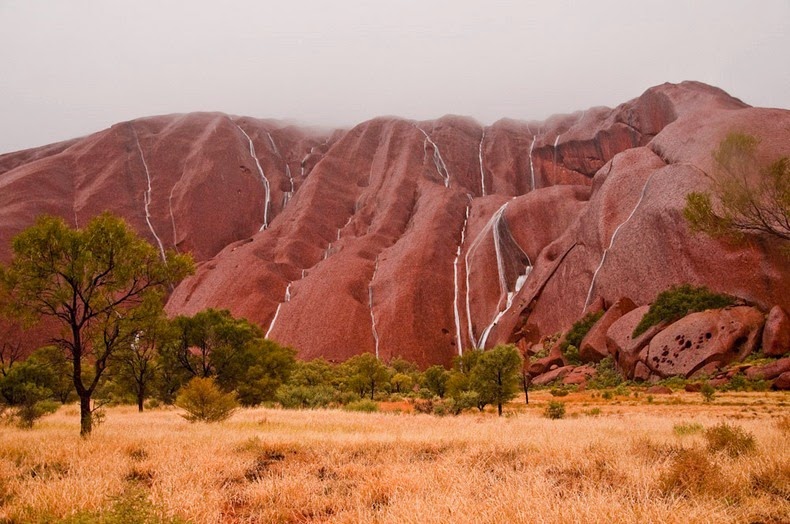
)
(496, 375)
(746, 197)
(93, 282)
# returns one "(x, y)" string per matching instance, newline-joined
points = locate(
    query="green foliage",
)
(435, 380)
(554, 410)
(364, 374)
(730, 439)
(96, 282)
(607, 375)
(463, 401)
(687, 428)
(677, 302)
(364, 405)
(205, 402)
(559, 392)
(573, 340)
(496, 375)
(27, 387)
(747, 197)
(305, 397)
(708, 392)
(213, 343)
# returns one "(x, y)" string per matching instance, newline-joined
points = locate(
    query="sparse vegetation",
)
(730, 439)
(573, 339)
(203, 401)
(274, 465)
(554, 410)
(747, 198)
(679, 301)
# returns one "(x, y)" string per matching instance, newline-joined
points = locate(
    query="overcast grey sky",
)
(74, 67)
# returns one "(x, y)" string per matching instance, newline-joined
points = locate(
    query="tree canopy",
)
(747, 197)
(97, 282)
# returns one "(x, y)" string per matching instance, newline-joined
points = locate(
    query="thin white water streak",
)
(455, 282)
(531, 164)
(494, 225)
(611, 240)
(556, 141)
(480, 157)
(438, 161)
(172, 217)
(472, 248)
(265, 180)
(147, 197)
(370, 305)
(277, 311)
(274, 146)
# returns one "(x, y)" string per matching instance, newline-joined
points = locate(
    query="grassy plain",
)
(624, 460)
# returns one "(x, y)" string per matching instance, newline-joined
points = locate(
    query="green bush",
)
(305, 397)
(205, 402)
(577, 332)
(730, 439)
(364, 405)
(679, 301)
(708, 392)
(687, 428)
(559, 392)
(607, 375)
(555, 410)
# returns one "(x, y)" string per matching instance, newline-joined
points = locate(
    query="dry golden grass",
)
(626, 464)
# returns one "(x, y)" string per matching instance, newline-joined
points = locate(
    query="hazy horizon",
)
(78, 67)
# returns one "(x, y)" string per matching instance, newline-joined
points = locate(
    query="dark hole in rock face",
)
(687, 344)
(678, 337)
(740, 341)
(444, 331)
(708, 335)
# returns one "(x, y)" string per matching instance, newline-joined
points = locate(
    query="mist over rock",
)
(416, 239)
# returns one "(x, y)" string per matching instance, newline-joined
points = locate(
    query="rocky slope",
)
(416, 239)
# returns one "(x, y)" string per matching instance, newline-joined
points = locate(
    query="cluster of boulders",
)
(704, 344)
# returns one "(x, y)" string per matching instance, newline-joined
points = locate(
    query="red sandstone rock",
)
(370, 235)
(720, 335)
(551, 376)
(768, 371)
(623, 347)
(776, 334)
(580, 375)
(658, 390)
(782, 382)
(593, 347)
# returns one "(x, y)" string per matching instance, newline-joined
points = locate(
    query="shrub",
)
(607, 395)
(29, 413)
(205, 402)
(555, 410)
(559, 392)
(708, 392)
(577, 332)
(305, 397)
(607, 375)
(463, 401)
(687, 428)
(364, 405)
(690, 472)
(732, 440)
(679, 301)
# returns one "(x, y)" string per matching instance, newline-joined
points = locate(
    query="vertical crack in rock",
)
(614, 235)
(438, 161)
(455, 282)
(265, 180)
(147, 197)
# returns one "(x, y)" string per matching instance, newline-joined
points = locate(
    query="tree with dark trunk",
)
(95, 282)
